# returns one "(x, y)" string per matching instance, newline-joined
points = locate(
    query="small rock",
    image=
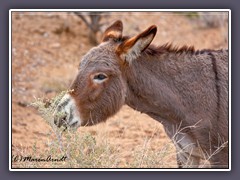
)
(55, 45)
(22, 104)
(45, 35)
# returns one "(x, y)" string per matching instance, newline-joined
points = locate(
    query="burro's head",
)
(100, 87)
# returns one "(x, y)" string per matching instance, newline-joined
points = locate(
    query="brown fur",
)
(176, 86)
(113, 32)
(168, 47)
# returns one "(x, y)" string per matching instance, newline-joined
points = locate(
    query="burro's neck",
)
(174, 85)
(151, 88)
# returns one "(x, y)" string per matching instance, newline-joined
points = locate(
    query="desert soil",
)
(46, 50)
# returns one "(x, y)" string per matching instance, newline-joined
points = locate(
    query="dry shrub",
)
(84, 150)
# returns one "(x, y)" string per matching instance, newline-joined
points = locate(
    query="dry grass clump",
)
(80, 150)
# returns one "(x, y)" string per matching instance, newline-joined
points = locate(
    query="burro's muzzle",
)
(67, 114)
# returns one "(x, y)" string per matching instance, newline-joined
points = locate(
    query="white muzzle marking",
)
(68, 107)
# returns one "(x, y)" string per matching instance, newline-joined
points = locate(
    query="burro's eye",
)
(99, 77)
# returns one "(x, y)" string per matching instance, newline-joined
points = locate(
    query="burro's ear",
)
(113, 32)
(132, 48)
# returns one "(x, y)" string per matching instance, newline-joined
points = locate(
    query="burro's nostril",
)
(60, 119)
